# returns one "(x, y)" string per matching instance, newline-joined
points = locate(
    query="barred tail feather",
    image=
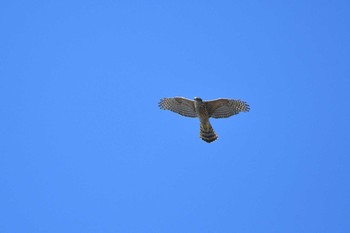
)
(207, 133)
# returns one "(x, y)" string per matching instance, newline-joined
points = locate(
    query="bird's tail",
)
(207, 132)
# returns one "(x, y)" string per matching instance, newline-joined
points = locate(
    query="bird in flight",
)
(218, 108)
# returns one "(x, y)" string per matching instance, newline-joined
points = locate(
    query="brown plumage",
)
(219, 108)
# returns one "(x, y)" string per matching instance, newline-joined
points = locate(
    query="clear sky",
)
(85, 148)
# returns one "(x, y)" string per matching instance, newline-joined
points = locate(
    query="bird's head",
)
(198, 99)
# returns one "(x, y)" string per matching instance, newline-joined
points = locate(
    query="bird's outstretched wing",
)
(222, 108)
(180, 105)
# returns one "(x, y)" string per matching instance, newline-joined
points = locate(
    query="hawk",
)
(218, 108)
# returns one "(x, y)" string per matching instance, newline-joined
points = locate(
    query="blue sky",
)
(85, 148)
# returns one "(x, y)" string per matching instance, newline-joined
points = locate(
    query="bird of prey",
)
(218, 108)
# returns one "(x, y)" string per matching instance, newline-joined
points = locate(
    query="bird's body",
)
(219, 108)
(206, 130)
